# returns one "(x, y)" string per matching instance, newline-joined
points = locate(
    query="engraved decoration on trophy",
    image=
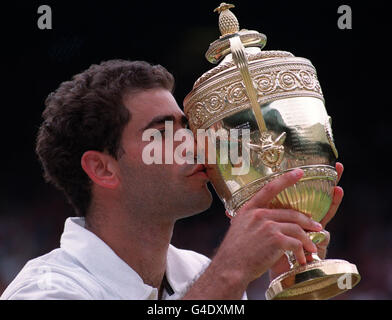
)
(278, 97)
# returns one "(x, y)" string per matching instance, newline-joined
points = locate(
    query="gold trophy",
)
(277, 96)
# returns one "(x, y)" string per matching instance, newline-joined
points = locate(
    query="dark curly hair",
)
(87, 113)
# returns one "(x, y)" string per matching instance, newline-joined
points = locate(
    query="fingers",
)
(337, 199)
(292, 216)
(339, 168)
(296, 246)
(292, 225)
(295, 231)
(289, 227)
(295, 239)
(322, 246)
(263, 197)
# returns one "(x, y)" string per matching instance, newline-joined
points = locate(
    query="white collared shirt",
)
(85, 267)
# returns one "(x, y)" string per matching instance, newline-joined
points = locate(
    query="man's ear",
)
(101, 168)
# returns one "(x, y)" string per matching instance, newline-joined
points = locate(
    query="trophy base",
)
(318, 280)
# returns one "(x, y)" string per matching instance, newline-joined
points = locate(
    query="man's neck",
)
(137, 239)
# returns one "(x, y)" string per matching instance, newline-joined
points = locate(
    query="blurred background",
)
(350, 65)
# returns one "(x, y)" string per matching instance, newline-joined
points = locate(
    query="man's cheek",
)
(152, 152)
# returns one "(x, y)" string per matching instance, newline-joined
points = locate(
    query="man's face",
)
(169, 190)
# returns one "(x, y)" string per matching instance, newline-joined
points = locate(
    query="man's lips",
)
(200, 168)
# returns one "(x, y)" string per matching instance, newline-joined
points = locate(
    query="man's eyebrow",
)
(161, 120)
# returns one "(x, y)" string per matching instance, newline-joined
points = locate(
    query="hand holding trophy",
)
(278, 98)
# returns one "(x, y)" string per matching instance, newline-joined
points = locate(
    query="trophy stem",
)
(291, 259)
(317, 237)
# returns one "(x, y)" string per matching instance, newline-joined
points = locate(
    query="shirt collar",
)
(183, 267)
(101, 261)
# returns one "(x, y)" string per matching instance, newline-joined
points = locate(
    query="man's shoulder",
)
(54, 275)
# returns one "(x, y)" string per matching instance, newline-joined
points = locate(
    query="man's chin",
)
(200, 203)
(205, 205)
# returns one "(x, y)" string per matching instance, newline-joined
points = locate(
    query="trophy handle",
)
(270, 151)
(240, 60)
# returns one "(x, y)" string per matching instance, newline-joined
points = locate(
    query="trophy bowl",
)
(268, 106)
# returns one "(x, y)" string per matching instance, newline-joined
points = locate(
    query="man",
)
(90, 145)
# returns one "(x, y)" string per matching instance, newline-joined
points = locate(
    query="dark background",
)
(351, 66)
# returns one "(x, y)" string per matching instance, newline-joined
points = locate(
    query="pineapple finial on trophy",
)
(229, 27)
(228, 23)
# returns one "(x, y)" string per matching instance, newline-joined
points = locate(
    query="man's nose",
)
(187, 143)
